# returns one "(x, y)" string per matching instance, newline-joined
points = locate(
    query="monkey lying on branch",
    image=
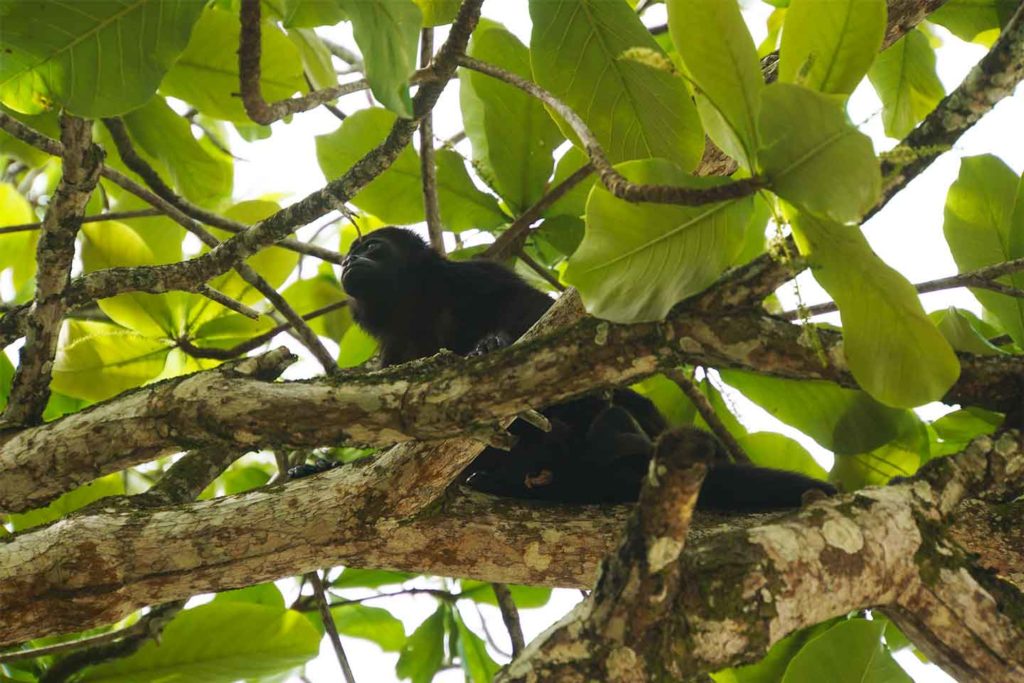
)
(415, 302)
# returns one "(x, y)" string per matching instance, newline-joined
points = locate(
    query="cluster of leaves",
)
(650, 101)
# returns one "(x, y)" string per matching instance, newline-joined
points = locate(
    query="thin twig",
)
(227, 302)
(707, 412)
(100, 649)
(111, 216)
(511, 241)
(617, 183)
(251, 344)
(329, 625)
(510, 615)
(540, 270)
(131, 158)
(428, 165)
(981, 278)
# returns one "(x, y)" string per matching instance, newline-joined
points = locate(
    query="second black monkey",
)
(415, 302)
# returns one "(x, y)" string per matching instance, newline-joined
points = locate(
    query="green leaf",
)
(828, 46)
(772, 667)
(206, 74)
(107, 244)
(512, 135)
(814, 157)
(438, 12)
(961, 333)
(357, 347)
(905, 80)
(110, 485)
(780, 452)
(981, 229)
(423, 653)
(670, 400)
(477, 664)
(849, 652)
(975, 20)
(634, 110)
(306, 296)
(311, 13)
(638, 260)
(396, 196)
(563, 233)
(368, 578)
(721, 60)
(6, 377)
(370, 623)
(218, 642)
(892, 348)
(387, 33)
(525, 597)
(573, 202)
(844, 421)
(97, 59)
(266, 594)
(165, 139)
(966, 424)
(17, 249)
(100, 360)
(316, 58)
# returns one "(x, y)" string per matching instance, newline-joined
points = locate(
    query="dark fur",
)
(415, 303)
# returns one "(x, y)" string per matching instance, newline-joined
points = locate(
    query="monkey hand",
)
(492, 342)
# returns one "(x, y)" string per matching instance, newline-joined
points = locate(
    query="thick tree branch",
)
(749, 581)
(430, 399)
(55, 253)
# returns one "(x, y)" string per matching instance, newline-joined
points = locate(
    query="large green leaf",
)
(17, 249)
(218, 642)
(98, 58)
(107, 244)
(975, 20)
(513, 137)
(525, 597)
(423, 653)
(573, 202)
(961, 332)
(32, 157)
(164, 138)
(842, 420)
(476, 662)
(317, 292)
(828, 46)
(206, 74)
(721, 60)
(99, 360)
(905, 80)
(893, 349)
(769, 449)
(638, 260)
(773, 665)
(438, 12)
(110, 485)
(370, 623)
(849, 652)
(396, 196)
(387, 33)
(813, 156)
(984, 224)
(368, 578)
(636, 111)
(266, 594)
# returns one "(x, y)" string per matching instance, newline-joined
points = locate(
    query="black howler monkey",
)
(415, 302)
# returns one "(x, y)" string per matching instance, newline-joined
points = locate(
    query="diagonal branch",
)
(131, 158)
(55, 253)
(615, 182)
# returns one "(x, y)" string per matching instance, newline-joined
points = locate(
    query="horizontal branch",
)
(869, 549)
(429, 399)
